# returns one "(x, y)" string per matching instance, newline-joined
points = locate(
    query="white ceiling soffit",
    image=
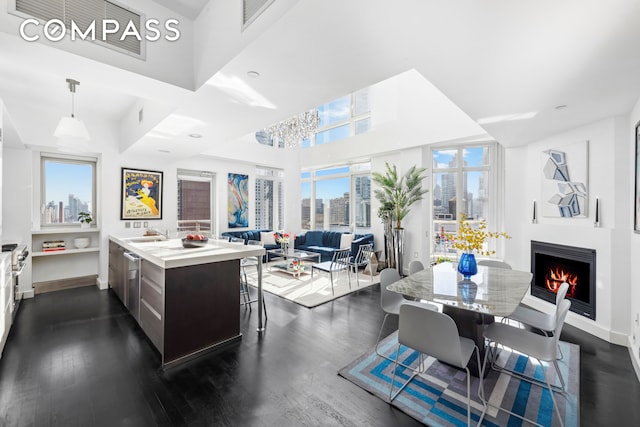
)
(187, 8)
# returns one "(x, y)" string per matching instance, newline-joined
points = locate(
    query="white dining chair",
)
(390, 302)
(494, 263)
(544, 322)
(415, 266)
(435, 334)
(536, 346)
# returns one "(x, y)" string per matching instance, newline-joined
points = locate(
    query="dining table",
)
(472, 303)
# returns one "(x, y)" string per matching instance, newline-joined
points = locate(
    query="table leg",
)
(471, 325)
(260, 324)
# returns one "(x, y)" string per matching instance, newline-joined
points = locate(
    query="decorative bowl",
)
(192, 243)
(81, 242)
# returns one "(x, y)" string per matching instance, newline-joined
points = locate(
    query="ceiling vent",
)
(251, 9)
(83, 13)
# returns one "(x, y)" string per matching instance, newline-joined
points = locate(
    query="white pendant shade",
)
(71, 132)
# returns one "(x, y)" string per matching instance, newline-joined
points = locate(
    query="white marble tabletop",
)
(495, 291)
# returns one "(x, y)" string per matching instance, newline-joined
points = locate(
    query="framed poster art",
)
(238, 200)
(636, 217)
(141, 196)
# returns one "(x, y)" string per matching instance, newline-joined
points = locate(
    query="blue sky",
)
(63, 179)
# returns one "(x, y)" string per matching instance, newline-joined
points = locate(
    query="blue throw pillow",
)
(313, 238)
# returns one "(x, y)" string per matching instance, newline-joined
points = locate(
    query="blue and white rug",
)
(438, 397)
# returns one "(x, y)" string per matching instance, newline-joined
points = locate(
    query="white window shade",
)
(83, 12)
(251, 9)
(123, 16)
(43, 9)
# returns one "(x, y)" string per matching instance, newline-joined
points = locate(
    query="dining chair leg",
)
(546, 382)
(380, 334)
(332, 291)
(392, 396)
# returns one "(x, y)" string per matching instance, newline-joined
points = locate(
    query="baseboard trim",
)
(61, 284)
(102, 284)
(635, 359)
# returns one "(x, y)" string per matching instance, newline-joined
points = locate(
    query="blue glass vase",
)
(467, 290)
(467, 265)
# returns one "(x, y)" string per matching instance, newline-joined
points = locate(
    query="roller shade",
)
(83, 12)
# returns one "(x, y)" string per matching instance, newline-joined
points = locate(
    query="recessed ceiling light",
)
(164, 151)
(560, 107)
(253, 74)
(195, 135)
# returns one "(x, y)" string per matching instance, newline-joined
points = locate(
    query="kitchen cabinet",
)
(189, 298)
(6, 298)
(152, 303)
(117, 271)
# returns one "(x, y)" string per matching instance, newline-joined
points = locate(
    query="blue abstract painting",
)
(238, 203)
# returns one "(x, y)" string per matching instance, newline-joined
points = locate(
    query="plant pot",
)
(398, 249)
(85, 225)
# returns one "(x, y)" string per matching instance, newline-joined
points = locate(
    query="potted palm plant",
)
(396, 195)
(85, 219)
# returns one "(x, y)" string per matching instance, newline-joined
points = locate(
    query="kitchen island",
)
(186, 300)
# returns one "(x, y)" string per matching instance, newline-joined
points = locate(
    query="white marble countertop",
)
(496, 291)
(169, 253)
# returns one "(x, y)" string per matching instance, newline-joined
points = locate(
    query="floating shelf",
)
(70, 230)
(65, 252)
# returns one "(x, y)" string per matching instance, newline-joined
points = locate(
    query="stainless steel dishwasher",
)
(133, 284)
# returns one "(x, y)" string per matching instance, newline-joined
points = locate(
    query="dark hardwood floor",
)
(76, 358)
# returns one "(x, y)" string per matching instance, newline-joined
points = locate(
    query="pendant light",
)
(71, 132)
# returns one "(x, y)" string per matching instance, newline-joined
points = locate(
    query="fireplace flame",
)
(556, 276)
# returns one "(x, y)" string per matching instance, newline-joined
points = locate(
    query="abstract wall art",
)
(565, 181)
(238, 200)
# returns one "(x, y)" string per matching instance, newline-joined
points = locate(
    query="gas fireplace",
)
(552, 264)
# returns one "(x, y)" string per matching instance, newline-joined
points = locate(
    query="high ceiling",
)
(508, 65)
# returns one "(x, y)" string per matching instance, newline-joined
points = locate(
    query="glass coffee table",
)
(291, 262)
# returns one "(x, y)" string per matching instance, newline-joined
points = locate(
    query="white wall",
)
(21, 198)
(608, 180)
(634, 246)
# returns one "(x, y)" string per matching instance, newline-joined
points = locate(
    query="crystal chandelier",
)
(295, 129)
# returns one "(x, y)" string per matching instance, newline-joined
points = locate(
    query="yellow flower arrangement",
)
(470, 239)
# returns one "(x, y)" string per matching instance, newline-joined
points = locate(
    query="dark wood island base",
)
(202, 306)
(187, 302)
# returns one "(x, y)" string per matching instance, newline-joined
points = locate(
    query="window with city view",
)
(461, 183)
(195, 196)
(269, 199)
(68, 188)
(341, 118)
(339, 198)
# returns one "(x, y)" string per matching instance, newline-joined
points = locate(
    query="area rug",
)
(438, 397)
(306, 292)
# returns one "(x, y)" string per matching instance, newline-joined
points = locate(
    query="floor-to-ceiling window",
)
(337, 198)
(269, 199)
(463, 182)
